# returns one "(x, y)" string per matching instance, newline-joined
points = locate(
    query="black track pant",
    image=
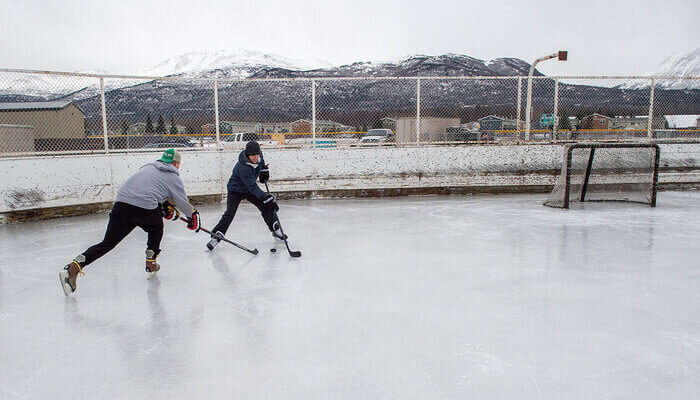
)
(122, 220)
(232, 202)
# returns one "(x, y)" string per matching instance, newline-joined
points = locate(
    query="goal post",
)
(626, 172)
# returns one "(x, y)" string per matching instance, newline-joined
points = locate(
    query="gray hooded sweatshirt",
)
(155, 183)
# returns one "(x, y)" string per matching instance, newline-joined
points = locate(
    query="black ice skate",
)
(215, 239)
(277, 232)
(152, 267)
(69, 276)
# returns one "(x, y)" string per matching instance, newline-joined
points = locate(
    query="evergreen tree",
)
(173, 129)
(564, 122)
(149, 124)
(377, 124)
(160, 128)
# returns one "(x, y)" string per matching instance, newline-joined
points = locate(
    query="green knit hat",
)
(170, 155)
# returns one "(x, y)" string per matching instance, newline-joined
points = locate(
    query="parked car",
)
(378, 136)
(166, 145)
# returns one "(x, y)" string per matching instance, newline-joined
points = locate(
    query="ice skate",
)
(152, 267)
(69, 276)
(277, 232)
(215, 239)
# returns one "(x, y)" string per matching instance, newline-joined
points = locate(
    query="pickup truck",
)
(236, 140)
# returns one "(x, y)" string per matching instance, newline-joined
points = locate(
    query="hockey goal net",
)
(607, 172)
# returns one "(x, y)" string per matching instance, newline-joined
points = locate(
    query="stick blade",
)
(295, 254)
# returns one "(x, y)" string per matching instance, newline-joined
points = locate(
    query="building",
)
(305, 126)
(16, 138)
(388, 123)
(629, 123)
(682, 121)
(230, 127)
(574, 122)
(596, 121)
(139, 128)
(49, 119)
(431, 129)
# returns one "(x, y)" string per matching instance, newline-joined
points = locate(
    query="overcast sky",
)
(130, 36)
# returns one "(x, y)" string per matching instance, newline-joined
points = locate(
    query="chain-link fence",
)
(44, 112)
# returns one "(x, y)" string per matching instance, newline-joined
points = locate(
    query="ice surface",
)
(483, 297)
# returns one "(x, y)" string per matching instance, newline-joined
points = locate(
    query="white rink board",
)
(38, 182)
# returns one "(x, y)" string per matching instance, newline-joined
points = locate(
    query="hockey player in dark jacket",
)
(242, 185)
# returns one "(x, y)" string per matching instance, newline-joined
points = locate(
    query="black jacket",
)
(244, 176)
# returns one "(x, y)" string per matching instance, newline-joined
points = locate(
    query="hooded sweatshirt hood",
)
(164, 167)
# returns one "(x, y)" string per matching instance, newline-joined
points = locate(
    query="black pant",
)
(122, 220)
(233, 200)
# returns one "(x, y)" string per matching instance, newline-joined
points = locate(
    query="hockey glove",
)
(270, 203)
(264, 174)
(169, 211)
(193, 222)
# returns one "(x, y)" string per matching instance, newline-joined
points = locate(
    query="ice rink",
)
(459, 297)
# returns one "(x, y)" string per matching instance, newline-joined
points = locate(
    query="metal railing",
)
(44, 112)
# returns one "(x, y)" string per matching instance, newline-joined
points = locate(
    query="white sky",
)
(131, 36)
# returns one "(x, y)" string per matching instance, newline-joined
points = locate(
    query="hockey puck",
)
(273, 250)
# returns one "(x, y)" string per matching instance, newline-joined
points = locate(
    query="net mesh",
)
(606, 172)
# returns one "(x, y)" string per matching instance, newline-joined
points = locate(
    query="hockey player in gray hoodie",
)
(142, 201)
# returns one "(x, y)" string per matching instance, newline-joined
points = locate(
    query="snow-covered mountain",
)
(685, 65)
(679, 65)
(417, 65)
(235, 64)
(242, 63)
(230, 64)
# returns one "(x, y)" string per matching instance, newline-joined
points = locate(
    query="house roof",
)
(35, 105)
(497, 118)
(494, 117)
(597, 115)
(318, 121)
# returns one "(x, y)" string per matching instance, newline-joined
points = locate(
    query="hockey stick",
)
(292, 253)
(253, 251)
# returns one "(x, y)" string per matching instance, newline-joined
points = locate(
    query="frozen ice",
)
(484, 297)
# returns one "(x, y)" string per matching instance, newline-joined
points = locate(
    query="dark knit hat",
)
(252, 148)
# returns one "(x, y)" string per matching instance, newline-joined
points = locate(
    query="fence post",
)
(418, 110)
(103, 105)
(104, 113)
(520, 105)
(555, 122)
(650, 131)
(313, 113)
(528, 108)
(216, 113)
(219, 146)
